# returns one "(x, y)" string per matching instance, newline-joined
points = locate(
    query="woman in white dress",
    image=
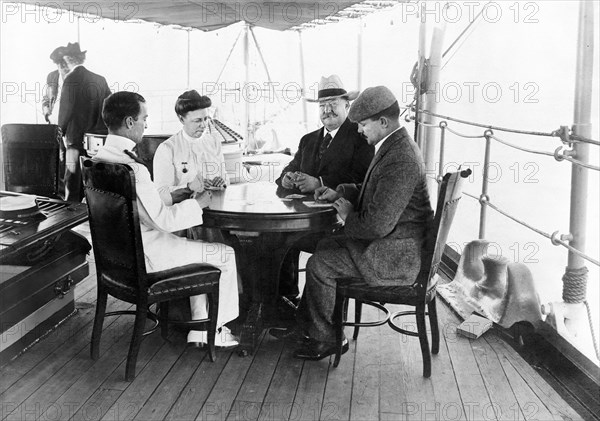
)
(189, 162)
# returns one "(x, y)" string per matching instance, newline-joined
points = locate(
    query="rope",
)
(504, 142)
(574, 285)
(555, 240)
(593, 332)
(575, 291)
(582, 139)
(502, 129)
(464, 135)
(582, 164)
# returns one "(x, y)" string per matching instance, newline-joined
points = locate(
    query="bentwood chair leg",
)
(141, 313)
(213, 311)
(435, 331)
(164, 316)
(341, 303)
(422, 331)
(98, 321)
(357, 317)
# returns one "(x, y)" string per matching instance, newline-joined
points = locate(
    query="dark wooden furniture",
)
(421, 294)
(261, 227)
(30, 154)
(121, 267)
(40, 262)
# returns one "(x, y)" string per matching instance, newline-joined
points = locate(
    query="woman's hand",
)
(197, 184)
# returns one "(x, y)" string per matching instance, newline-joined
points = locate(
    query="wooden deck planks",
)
(220, 401)
(192, 397)
(278, 403)
(379, 378)
(366, 380)
(251, 395)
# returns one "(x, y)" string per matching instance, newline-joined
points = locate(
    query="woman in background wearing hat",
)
(191, 160)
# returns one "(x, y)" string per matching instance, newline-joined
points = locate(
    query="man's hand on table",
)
(306, 183)
(325, 194)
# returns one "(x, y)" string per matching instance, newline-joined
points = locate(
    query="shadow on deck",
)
(378, 379)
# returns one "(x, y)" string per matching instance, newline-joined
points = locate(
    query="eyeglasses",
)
(330, 104)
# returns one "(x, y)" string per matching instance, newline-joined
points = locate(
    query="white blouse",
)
(179, 158)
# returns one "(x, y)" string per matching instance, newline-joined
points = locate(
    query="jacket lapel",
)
(395, 137)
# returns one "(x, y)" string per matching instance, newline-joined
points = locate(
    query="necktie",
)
(324, 144)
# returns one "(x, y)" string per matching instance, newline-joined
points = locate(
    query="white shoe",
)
(223, 338)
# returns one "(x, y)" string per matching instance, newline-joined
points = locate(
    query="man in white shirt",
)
(125, 116)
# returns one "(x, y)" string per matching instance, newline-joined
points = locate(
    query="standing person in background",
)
(53, 88)
(51, 104)
(80, 112)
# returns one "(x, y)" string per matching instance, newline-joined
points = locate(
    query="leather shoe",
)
(316, 350)
(294, 334)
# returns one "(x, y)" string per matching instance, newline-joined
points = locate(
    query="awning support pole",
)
(431, 101)
(302, 80)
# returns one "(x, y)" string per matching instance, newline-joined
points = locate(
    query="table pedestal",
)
(261, 255)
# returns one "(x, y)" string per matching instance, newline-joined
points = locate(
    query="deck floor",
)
(380, 378)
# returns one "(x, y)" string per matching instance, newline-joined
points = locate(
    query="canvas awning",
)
(212, 15)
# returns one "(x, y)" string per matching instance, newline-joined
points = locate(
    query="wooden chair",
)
(420, 294)
(30, 157)
(121, 268)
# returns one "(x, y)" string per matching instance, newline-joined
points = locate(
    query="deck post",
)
(432, 97)
(250, 145)
(575, 277)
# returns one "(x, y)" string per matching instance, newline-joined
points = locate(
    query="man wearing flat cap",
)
(80, 112)
(334, 154)
(385, 222)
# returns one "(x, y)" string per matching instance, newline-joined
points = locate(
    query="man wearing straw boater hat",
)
(385, 223)
(334, 154)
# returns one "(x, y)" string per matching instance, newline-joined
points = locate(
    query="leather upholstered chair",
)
(421, 294)
(120, 265)
(30, 157)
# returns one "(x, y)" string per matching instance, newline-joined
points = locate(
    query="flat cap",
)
(370, 102)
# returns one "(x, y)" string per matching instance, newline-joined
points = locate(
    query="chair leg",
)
(141, 313)
(422, 331)
(357, 317)
(435, 331)
(98, 321)
(164, 316)
(341, 303)
(213, 311)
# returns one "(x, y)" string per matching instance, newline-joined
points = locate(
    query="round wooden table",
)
(261, 225)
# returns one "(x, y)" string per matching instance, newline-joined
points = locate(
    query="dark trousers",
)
(288, 275)
(72, 180)
(330, 262)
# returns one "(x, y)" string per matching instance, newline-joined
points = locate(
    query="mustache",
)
(330, 114)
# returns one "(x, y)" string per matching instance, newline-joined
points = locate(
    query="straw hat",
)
(332, 87)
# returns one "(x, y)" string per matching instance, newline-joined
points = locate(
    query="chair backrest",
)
(448, 196)
(114, 223)
(30, 158)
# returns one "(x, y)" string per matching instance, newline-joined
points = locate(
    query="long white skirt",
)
(164, 251)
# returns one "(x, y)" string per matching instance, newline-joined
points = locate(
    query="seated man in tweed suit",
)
(386, 219)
